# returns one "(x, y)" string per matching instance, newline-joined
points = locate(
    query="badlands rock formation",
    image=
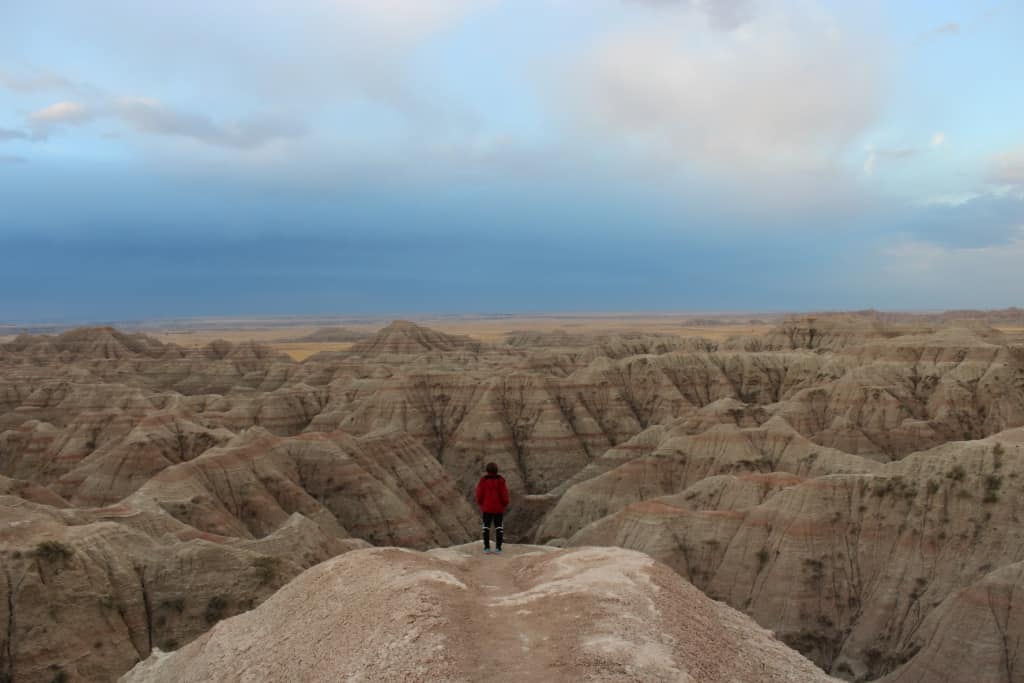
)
(539, 615)
(849, 482)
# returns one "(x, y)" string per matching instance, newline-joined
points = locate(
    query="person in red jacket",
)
(492, 497)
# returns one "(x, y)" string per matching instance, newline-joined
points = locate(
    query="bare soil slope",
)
(851, 482)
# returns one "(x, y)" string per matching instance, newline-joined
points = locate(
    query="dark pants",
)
(494, 517)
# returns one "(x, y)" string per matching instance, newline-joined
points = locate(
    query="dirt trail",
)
(504, 639)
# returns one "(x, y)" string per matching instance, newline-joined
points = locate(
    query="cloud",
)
(10, 134)
(12, 159)
(723, 15)
(974, 222)
(937, 276)
(876, 155)
(780, 99)
(151, 116)
(886, 154)
(305, 57)
(36, 82)
(950, 29)
(66, 112)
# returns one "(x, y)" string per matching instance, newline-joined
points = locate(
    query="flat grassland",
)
(288, 334)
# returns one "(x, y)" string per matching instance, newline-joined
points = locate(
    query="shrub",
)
(762, 558)
(176, 604)
(957, 473)
(53, 551)
(267, 568)
(992, 484)
(215, 609)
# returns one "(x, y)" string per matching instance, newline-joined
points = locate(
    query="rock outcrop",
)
(386, 614)
(404, 337)
(845, 568)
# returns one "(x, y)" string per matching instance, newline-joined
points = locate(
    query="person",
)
(492, 497)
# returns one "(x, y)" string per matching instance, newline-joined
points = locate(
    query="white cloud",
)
(150, 116)
(299, 59)
(725, 15)
(66, 112)
(34, 82)
(938, 139)
(784, 95)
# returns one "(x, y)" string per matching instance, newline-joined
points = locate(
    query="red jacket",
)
(492, 494)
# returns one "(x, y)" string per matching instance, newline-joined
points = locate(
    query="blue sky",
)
(404, 156)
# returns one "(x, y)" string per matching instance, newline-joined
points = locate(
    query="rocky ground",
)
(532, 614)
(850, 482)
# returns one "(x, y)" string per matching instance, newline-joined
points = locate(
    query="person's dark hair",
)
(492, 468)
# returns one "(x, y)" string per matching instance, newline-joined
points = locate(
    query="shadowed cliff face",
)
(841, 480)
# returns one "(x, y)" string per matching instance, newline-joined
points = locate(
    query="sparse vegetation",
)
(896, 486)
(268, 568)
(815, 571)
(176, 604)
(992, 484)
(53, 552)
(957, 473)
(216, 607)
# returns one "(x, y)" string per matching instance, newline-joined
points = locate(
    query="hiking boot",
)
(487, 550)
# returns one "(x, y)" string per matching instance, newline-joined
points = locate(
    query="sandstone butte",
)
(839, 497)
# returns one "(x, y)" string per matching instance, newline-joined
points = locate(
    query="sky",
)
(293, 157)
